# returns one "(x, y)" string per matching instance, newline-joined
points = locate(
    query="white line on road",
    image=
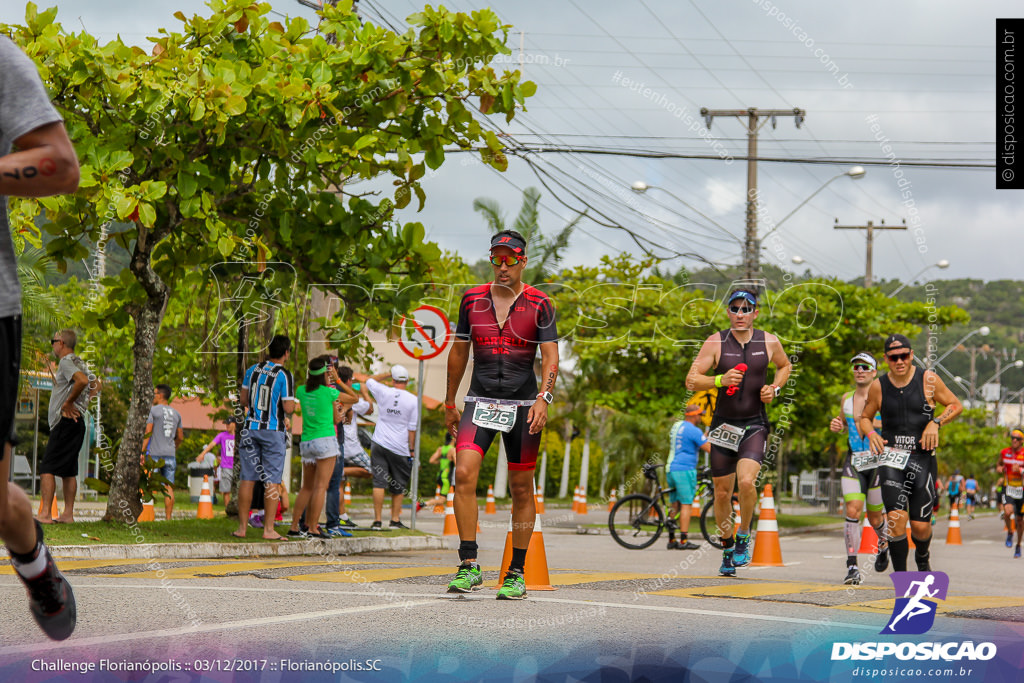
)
(205, 628)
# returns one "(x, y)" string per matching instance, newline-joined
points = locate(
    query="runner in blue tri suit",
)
(859, 480)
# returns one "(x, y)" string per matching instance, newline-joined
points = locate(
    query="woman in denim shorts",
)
(318, 447)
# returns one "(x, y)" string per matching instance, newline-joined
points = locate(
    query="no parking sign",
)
(425, 334)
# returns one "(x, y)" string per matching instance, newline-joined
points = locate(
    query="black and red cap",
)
(514, 242)
(895, 342)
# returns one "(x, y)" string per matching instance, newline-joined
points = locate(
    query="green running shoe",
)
(741, 555)
(467, 579)
(514, 587)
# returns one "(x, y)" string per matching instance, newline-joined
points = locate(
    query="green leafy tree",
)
(236, 139)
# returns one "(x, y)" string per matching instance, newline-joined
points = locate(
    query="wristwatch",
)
(547, 396)
(777, 389)
(937, 421)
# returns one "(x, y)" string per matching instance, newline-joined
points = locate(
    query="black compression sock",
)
(467, 550)
(898, 548)
(518, 560)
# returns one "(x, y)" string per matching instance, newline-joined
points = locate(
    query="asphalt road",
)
(653, 613)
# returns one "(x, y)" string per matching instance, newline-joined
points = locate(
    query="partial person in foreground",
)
(44, 164)
(906, 398)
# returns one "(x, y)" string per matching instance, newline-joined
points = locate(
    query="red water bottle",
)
(742, 367)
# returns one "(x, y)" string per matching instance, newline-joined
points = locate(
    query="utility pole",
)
(756, 118)
(870, 228)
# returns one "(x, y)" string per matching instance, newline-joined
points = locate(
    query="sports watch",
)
(547, 396)
(937, 421)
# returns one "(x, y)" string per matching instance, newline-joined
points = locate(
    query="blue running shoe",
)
(727, 568)
(1016, 553)
(1009, 539)
(741, 555)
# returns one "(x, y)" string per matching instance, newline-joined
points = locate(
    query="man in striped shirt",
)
(268, 394)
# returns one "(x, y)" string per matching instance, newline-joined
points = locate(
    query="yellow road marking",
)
(220, 568)
(753, 590)
(8, 570)
(953, 603)
(372, 575)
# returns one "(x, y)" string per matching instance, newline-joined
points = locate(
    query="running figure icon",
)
(916, 606)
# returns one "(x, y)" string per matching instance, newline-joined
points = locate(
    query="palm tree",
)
(545, 252)
(39, 305)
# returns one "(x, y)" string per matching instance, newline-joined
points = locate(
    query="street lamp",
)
(1014, 364)
(983, 331)
(943, 264)
(855, 172)
(797, 260)
(640, 187)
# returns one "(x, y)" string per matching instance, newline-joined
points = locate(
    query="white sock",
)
(31, 570)
(345, 517)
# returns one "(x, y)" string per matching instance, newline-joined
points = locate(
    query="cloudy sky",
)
(634, 76)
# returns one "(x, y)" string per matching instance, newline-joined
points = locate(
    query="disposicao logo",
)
(914, 614)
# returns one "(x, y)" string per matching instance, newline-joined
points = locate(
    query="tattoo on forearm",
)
(46, 167)
(549, 382)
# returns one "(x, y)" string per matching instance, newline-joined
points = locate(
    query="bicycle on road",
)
(638, 520)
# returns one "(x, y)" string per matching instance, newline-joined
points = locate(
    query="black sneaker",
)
(51, 600)
(852, 576)
(922, 562)
(376, 527)
(297, 534)
(689, 545)
(348, 523)
(882, 560)
(397, 525)
(673, 545)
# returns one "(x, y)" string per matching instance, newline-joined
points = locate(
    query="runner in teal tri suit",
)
(859, 480)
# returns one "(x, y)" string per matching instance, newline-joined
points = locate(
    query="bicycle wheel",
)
(636, 521)
(707, 524)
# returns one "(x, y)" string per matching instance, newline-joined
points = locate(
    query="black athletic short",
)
(912, 488)
(390, 470)
(751, 447)
(10, 366)
(521, 447)
(61, 456)
(1017, 503)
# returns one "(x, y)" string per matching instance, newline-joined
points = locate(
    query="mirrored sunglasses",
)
(509, 260)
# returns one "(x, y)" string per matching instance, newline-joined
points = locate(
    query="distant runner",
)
(1011, 462)
(859, 479)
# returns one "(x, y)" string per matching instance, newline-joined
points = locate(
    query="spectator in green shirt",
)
(318, 448)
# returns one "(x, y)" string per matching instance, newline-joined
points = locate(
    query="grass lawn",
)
(176, 531)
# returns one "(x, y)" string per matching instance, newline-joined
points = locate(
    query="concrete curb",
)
(206, 551)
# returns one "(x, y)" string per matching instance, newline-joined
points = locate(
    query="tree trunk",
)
(124, 503)
(238, 415)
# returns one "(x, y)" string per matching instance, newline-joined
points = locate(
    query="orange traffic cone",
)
(953, 535)
(489, 507)
(767, 551)
(348, 494)
(205, 508)
(612, 500)
(536, 570)
(54, 514)
(695, 508)
(450, 526)
(148, 514)
(576, 499)
(583, 501)
(439, 507)
(539, 500)
(868, 539)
